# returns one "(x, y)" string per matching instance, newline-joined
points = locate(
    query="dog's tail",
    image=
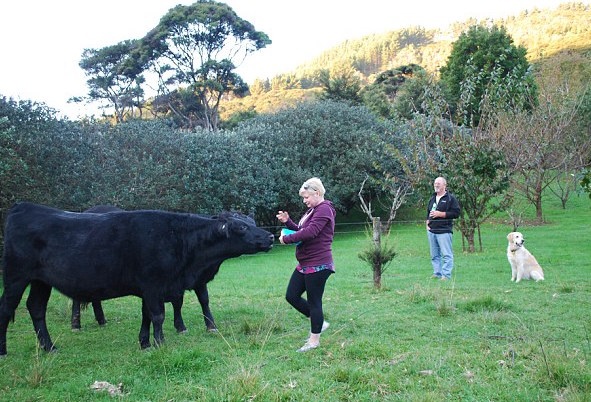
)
(537, 276)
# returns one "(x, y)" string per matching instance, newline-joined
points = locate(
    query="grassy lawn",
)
(478, 337)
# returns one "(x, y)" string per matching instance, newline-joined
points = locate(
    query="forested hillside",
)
(558, 41)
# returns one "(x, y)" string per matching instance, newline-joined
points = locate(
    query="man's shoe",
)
(325, 326)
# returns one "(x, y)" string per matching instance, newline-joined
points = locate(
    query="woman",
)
(313, 238)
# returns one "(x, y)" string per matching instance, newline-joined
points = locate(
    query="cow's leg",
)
(76, 315)
(8, 303)
(177, 306)
(13, 293)
(152, 311)
(37, 306)
(99, 314)
(145, 328)
(157, 313)
(203, 297)
(4, 318)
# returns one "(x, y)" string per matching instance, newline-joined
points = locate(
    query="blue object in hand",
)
(286, 232)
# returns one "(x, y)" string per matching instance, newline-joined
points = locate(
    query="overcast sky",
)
(41, 41)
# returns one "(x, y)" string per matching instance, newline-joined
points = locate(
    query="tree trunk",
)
(470, 239)
(479, 239)
(538, 202)
(468, 229)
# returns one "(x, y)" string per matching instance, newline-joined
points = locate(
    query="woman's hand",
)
(283, 216)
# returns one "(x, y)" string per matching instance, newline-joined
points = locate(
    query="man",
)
(442, 209)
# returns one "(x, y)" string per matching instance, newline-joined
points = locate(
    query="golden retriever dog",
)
(523, 263)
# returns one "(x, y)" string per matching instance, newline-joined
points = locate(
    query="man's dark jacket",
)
(448, 204)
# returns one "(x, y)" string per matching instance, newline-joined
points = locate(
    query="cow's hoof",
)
(48, 347)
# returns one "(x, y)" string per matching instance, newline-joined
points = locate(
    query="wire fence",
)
(360, 227)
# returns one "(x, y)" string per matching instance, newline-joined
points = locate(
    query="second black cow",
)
(155, 255)
(200, 288)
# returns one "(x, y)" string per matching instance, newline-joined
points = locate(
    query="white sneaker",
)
(308, 346)
(325, 326)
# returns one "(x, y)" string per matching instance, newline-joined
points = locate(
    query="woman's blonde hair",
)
(312, 185)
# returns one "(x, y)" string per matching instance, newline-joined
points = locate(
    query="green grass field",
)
(478, 337)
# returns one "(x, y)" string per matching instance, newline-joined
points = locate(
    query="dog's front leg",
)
(519, 273)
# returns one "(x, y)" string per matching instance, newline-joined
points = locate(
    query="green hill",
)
(558, 41)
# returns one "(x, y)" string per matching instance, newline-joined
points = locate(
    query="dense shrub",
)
(332, 140)
(257, 167)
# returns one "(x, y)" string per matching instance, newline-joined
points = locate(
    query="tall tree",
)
(340, 84)
(196, 48)
(396, 92)
(542, 144)
(479, 56)
(114, 78)
(477, 173)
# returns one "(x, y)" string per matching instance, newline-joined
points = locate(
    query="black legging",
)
(313, 285)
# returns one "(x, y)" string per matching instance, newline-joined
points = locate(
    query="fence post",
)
(377, 232)
(377, 243)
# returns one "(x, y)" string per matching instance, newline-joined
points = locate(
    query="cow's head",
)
(242, 234)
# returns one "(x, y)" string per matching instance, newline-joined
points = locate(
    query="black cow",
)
(155, 255)
(208, 273)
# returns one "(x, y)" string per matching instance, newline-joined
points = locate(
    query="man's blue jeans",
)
(442, 256)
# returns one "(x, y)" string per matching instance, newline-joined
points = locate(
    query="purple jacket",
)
(315, 232)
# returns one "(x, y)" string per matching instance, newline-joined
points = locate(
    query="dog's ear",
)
(510, 236)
